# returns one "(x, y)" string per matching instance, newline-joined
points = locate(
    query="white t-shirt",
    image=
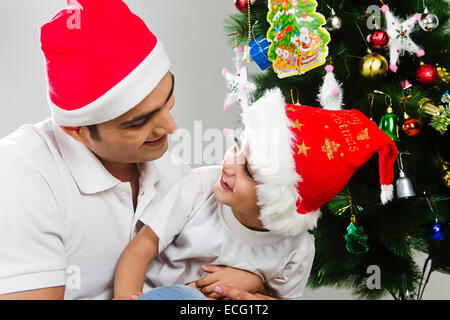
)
(64, 219)
(195, 229)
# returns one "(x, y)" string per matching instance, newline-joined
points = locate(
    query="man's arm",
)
(32, 253)
(55, 293)
(131, 269)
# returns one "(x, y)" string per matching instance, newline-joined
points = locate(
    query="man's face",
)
(140, 134)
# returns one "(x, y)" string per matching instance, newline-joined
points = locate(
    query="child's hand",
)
(222, 275)
(134, 296)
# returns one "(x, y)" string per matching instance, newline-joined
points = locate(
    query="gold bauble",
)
(446, 173)
(373, 66)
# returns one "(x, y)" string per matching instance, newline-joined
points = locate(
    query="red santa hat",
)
(101, 61)
(303, 156)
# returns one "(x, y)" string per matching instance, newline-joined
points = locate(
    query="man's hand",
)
(134, 296)
(225, 292)
(227, 276)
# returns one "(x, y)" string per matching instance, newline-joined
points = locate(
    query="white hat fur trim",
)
(270, 141)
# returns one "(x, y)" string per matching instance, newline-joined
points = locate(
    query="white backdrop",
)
(193, 34)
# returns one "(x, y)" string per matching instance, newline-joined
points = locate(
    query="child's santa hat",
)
(101, 61)
(303, 156)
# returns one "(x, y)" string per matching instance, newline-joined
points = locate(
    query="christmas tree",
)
(389, 61)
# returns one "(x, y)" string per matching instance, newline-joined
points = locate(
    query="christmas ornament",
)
(437, 232)
(403, 184)
(379, 39)
(389, 122)
(411, 126)
(330, 92)
(356, 240)
(399, 37)
(333, 22)
(373, 66)
(445, 98)
(298, 39)
(444, 76)
(427, 75)
(428, 21)
(246, 57)
(440, 116)
(258, 51)
(226, 132)
(240, 88)
(445, 166)
(428, 108)
(242, 5)
(406, 84)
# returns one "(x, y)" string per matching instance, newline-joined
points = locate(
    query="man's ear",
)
(78, 133)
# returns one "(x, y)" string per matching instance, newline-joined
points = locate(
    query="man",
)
(73, 187)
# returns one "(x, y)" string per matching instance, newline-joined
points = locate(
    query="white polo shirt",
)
(64, 219)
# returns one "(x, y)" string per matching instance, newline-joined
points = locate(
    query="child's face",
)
(236, 187)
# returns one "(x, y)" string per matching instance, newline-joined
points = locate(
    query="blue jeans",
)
(173, 293)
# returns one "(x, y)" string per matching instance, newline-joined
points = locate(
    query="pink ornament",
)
(329, 68)
(393, 68)
(335, 92)
(420, 53)
(384, 8)
(226, 132)
(225, 71)
(226, 106)
(417, 16)
(240, 49)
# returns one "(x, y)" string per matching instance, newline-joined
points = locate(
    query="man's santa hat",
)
(303, 156)
(101, 61)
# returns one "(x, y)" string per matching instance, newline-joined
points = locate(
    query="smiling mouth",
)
(156, 143)
(224, 184)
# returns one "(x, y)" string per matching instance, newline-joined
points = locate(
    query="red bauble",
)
(379, 39)
(411, 127)
(241, 5)
(427, 75)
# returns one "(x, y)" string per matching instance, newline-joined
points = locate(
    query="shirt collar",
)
(87, 170)
(149, 174)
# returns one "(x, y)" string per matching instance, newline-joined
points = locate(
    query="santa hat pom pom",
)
(387, 193)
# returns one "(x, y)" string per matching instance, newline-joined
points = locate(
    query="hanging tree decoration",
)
(356, 241)
(330, 92)
(259, 48)
(240, 88)
(389, 122)
(298, 39)
(403, 184)
(429, 21)
(437, 232)
(333, 22)
(440, 115)
(411, 126)
(247, 57)
(399, 36)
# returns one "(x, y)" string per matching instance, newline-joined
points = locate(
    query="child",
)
(253, 212)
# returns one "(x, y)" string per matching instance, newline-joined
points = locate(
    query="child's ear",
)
(75, 132)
